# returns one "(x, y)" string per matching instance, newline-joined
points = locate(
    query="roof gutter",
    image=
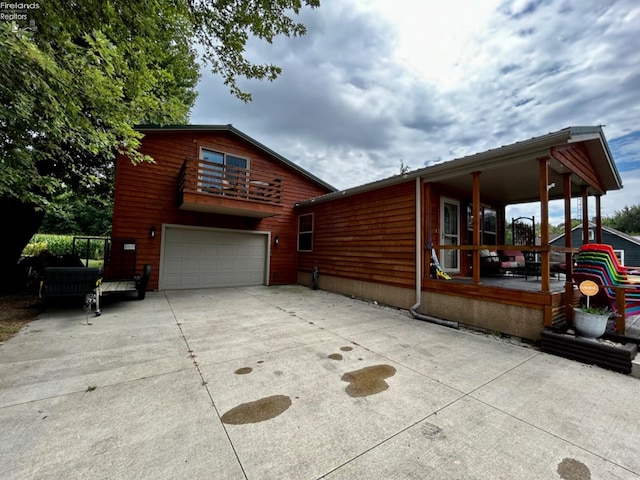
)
(537, 146)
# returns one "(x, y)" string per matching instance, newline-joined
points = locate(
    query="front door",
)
(450, 234)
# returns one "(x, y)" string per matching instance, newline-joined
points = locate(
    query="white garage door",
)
(201, 258)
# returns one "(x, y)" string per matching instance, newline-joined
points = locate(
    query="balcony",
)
(210, 187)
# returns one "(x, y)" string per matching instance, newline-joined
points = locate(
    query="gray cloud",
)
(346, 109)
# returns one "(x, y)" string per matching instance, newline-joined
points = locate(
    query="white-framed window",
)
(620, 255)
(305, 232)
(222, 170)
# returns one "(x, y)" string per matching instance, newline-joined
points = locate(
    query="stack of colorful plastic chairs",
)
(598, 262)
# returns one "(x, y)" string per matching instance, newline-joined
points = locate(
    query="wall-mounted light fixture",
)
(152, 231)
(276, 240)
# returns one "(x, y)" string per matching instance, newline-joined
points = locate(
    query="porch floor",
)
(516, 282)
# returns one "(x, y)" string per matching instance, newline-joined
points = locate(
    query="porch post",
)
(598, 221)
(568, 243)
(545, 270)
(585, 215)
(476, 226)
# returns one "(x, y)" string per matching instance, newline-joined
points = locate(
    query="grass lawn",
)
(94, 263)
(16, 310)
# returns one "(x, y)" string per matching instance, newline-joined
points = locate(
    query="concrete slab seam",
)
(75, 392)
(606, 460)
(470, 395)
(402, 430)
(537, 354)
(293, 347)
(204, 384)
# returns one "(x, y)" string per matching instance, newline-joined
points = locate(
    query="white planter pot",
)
(589, 326)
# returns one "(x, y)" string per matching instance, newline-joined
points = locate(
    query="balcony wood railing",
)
(215, 180)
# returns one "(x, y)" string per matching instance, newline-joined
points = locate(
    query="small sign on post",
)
(589, 288)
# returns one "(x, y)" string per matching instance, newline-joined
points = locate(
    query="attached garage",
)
(205, 258)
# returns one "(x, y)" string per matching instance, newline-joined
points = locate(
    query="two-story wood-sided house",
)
(216, 209)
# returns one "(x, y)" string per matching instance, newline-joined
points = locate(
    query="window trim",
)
(620, 254)
(227, 181)
(224, 155)
(308, 232)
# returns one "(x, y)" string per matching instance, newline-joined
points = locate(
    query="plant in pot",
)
(590, 322)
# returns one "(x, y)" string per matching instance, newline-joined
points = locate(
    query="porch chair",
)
(598, 264)
(512, 261)
(489, 262)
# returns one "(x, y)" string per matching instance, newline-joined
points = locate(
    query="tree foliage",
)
(223, 27)
(70, 213)
(626, 220)
(72, 91)
(78, 85)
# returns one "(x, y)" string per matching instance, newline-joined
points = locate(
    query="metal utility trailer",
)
(137, 285)
(117, 276)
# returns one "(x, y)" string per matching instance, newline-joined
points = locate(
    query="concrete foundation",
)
(385, 294)
(510, 319)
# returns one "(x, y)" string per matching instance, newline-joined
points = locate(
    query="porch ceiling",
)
(511, 174)
(515, 183)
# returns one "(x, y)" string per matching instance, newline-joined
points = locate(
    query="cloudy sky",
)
(377, 82)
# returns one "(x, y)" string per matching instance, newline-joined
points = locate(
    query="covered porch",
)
(464, 216)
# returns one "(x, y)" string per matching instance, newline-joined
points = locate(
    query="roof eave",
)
(244, 136)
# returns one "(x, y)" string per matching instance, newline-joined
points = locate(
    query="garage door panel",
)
(194, 258)
(172, 266)
(226, 264)
(172, 282)
(191, 281)
(173, 250)
(209, 265)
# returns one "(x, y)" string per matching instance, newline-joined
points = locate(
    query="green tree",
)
(78, 214)
(71, 92)
(560, 227)
(626, 220)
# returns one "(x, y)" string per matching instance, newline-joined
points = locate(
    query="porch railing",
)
(208, 178)
(620, 291)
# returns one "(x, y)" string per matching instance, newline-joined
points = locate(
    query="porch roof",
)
(509, 174)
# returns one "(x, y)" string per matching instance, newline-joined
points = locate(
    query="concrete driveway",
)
(286, 382)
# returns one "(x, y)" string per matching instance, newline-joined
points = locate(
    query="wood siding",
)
(368, 236)
(576, 159)
(146, 194)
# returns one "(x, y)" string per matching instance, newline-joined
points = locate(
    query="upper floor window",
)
(223, 170)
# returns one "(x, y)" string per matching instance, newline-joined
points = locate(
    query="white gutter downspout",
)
(414, 310)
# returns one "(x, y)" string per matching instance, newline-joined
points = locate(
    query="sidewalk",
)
(286, 382)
